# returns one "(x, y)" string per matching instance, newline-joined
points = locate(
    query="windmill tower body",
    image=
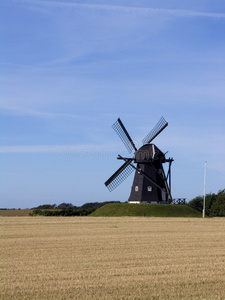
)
(150, 182)
(149, 185)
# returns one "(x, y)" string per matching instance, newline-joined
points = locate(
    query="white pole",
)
(203, 211)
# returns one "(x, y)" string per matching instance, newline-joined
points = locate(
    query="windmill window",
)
(136, 188)
(149, 188)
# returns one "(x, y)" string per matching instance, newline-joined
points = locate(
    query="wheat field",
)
(112, 258)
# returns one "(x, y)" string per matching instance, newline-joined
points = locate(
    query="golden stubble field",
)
(112, 258)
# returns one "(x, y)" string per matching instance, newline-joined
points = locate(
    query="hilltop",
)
(146, 210)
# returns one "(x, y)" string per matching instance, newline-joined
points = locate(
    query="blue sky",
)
(69, 69)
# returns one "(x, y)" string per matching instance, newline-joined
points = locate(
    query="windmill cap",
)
(149, 153)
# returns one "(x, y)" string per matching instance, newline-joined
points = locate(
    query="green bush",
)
(66, 206)
(218, 206)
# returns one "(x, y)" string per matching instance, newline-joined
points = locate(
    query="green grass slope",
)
(146, 210)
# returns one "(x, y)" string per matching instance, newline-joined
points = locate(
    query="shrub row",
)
(62, 212)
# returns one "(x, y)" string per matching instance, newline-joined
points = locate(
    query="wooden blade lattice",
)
(124, 135)
(119, 176)
(155, 131)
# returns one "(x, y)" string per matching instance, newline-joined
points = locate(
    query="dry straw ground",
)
(112, 258)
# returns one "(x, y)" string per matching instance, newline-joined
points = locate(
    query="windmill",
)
(150, 184)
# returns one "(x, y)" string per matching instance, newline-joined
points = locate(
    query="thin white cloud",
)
(32, 149)
(65, 150)
(126, 9)
(36, 113)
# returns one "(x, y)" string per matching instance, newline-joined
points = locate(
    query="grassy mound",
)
(146, 210)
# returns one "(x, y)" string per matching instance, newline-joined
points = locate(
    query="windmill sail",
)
(124, 135)
(155, 131)
(119, 176)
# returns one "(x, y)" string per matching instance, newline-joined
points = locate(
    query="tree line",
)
(68, 209)
(214, 204)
